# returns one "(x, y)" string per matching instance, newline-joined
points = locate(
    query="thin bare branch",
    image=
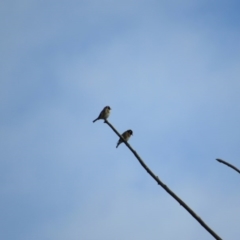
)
(156, 178)
(228, 164)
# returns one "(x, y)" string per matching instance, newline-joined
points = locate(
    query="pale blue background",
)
(170, 70)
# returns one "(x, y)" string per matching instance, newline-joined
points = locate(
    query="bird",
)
(126, 135)
(104, 114)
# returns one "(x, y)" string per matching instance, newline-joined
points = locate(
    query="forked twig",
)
(165, 186)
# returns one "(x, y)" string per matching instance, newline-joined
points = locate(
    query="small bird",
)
(126, 135)
(104, 114)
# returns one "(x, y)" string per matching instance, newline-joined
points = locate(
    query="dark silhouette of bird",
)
(126, 135)
(104, 114)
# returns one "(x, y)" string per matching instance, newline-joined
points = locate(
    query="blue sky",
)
(170, 72)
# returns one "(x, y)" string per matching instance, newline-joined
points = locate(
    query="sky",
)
(169, 70)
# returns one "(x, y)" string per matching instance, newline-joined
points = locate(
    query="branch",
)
(228, 164)
(165, 187)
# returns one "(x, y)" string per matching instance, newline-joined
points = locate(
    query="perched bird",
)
(104, 114)
(126, 135)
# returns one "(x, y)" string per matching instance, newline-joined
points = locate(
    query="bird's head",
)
(130, 132)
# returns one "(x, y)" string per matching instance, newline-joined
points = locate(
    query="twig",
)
(156, 178)
(228, 164)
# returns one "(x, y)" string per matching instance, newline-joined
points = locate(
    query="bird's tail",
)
(118, 144)
(95, 120)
